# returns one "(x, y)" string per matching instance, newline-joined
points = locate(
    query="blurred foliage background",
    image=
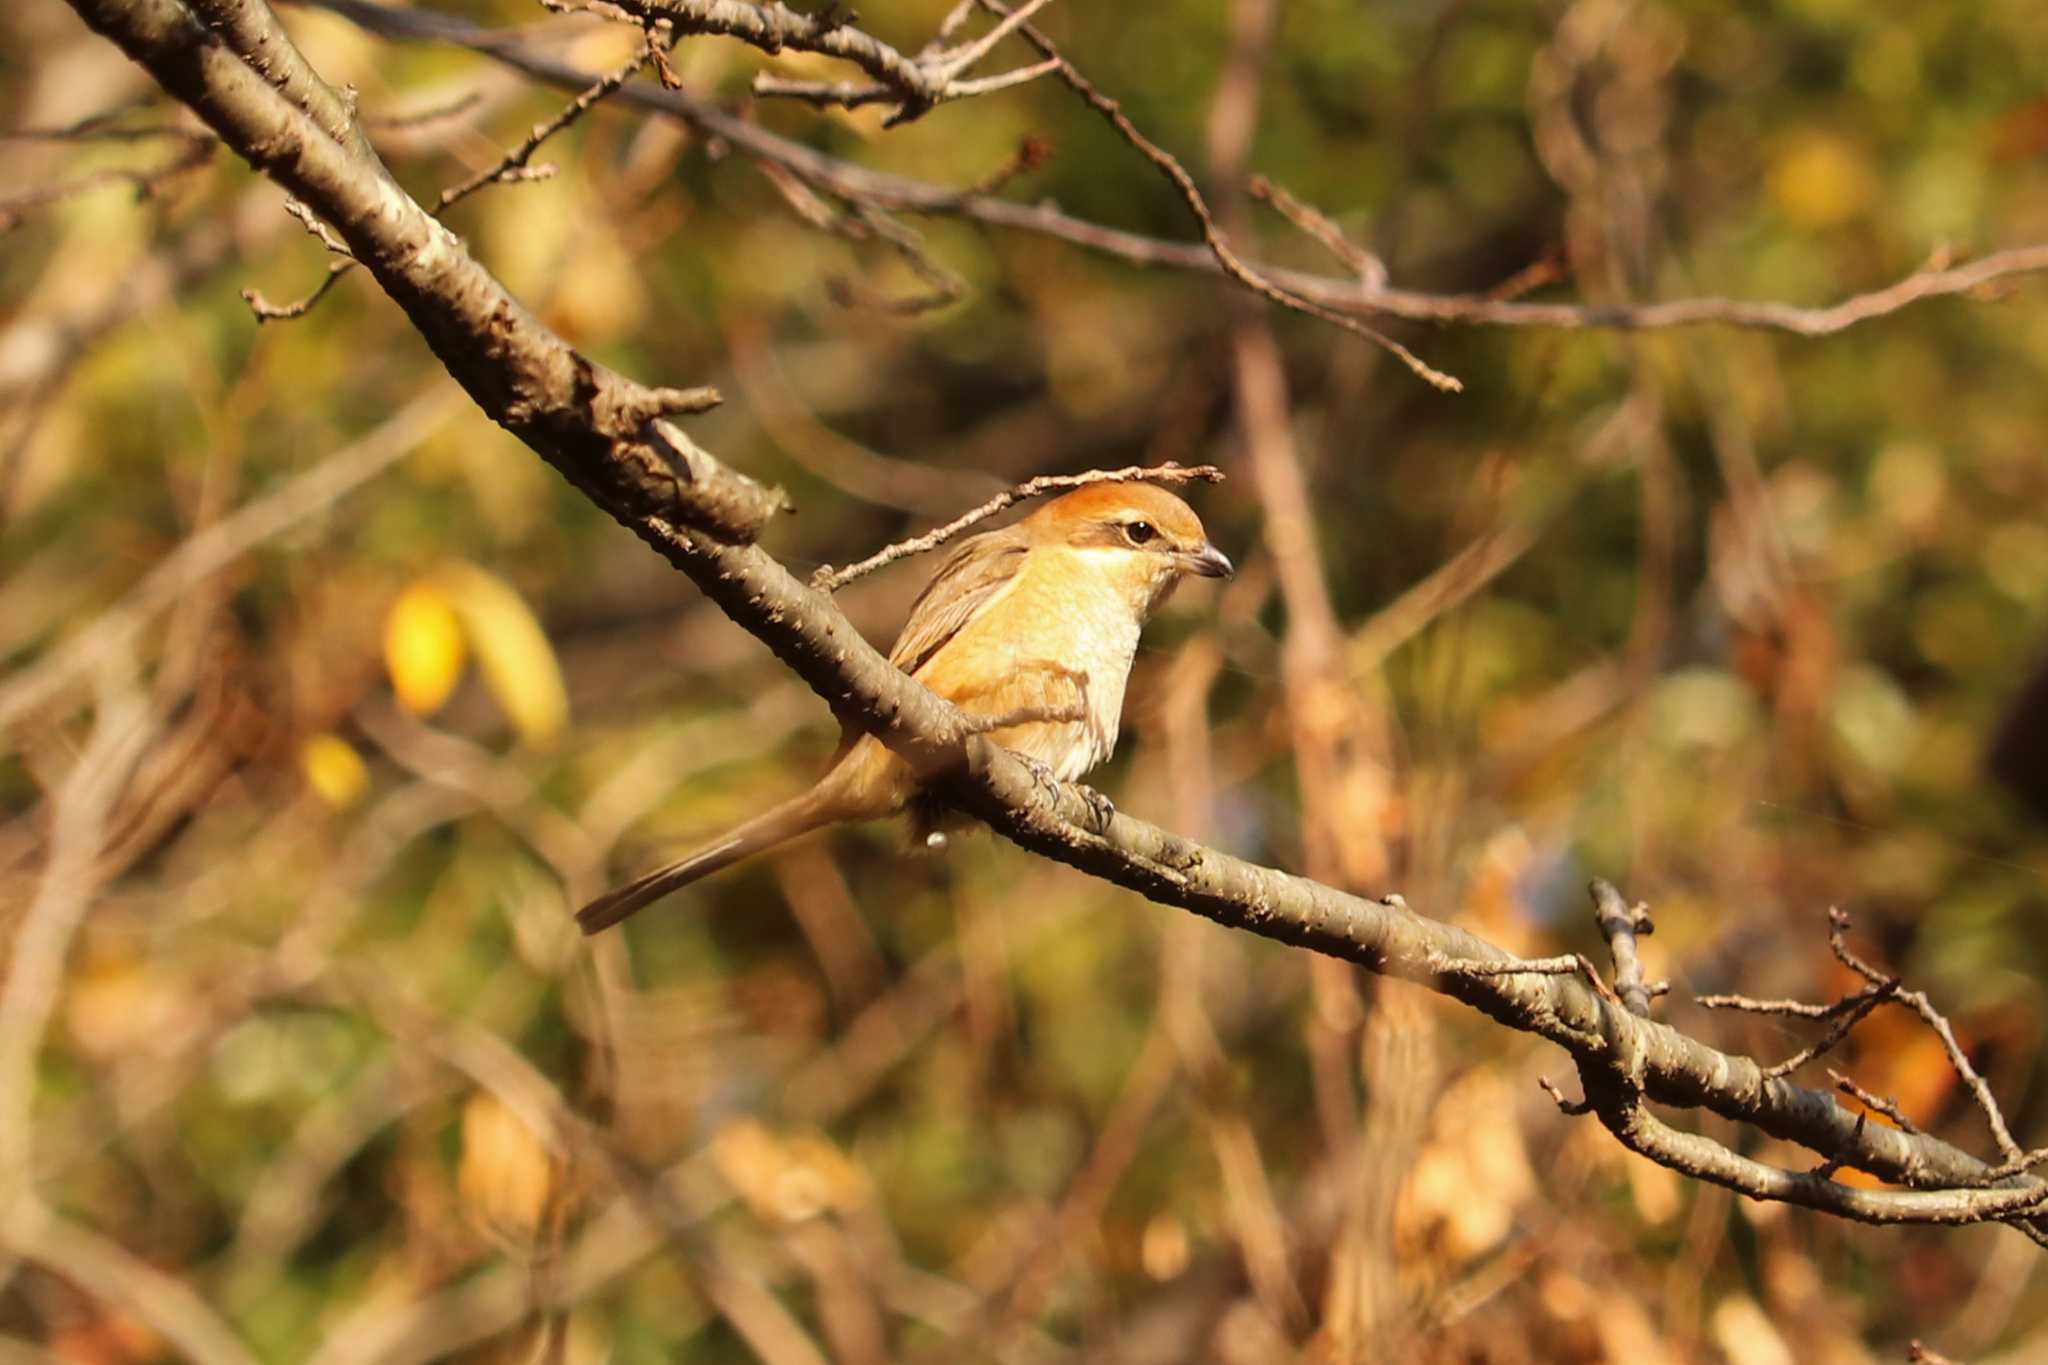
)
(325, 1066)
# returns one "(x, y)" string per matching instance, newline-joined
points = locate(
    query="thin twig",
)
(2019, 1165)
(1863, 1004)
(1369, 268)
(1032, 153)
(146, 183)
(916, 85)
(419, 118)
(967, 54)
(1226, 256)
(514, 164)
(948, 26)
(945, 286)
(1994, 1118)
(266, 311)
(1889, 1108)
(1544, 270)
(310, 221)
(829, 579)
(1850, 1010)
(102, 128)
(988, 85)
(1570, 1108)
(1801, 1009)
(1565, 964)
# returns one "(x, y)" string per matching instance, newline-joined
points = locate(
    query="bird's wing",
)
(965, 586)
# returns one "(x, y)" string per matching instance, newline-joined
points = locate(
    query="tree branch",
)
(1368, 297)
(915, 85)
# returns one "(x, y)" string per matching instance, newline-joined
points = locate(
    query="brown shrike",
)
(1030, 629)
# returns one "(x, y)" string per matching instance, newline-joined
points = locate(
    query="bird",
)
(1030, 630)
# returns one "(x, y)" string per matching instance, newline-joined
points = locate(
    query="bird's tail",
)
(798, 815)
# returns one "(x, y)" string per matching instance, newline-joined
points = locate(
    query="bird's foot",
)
(1100, 809)
(1042, 775)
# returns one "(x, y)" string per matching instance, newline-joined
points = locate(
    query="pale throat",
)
(1114, 591)
(1140, 582)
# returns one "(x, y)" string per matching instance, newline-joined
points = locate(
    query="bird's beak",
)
(1209, 562)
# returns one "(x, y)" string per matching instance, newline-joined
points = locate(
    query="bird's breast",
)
(1060, 638)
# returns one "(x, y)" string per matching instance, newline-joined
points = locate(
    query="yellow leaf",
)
(506, 1173)
(333, 770)
(1820, 180)
(786, 1179)
(512, 651)
(423, 649)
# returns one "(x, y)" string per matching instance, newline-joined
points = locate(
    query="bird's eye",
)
(1140, 532)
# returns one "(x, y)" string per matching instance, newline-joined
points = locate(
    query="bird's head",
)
(1143, 537)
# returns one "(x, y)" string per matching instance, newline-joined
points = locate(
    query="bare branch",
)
(1838, 929)
(421, 118)
(266, 311)
(1889, 1108)
(1621, 923)
(1622, 1112)
(1859, 1005)
(1980, 1089)
(1347, 294)
(104, 127)
(145, 183)
(1370, 269)
(316, 229)
(1226, 256)
(1568, 964)
(514, 165)
(1569, 1107)
(915, 85)
(967, 54)
(1797, 1008)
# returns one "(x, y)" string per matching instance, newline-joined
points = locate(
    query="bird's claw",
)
(1041, 774)
(1100, 809)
